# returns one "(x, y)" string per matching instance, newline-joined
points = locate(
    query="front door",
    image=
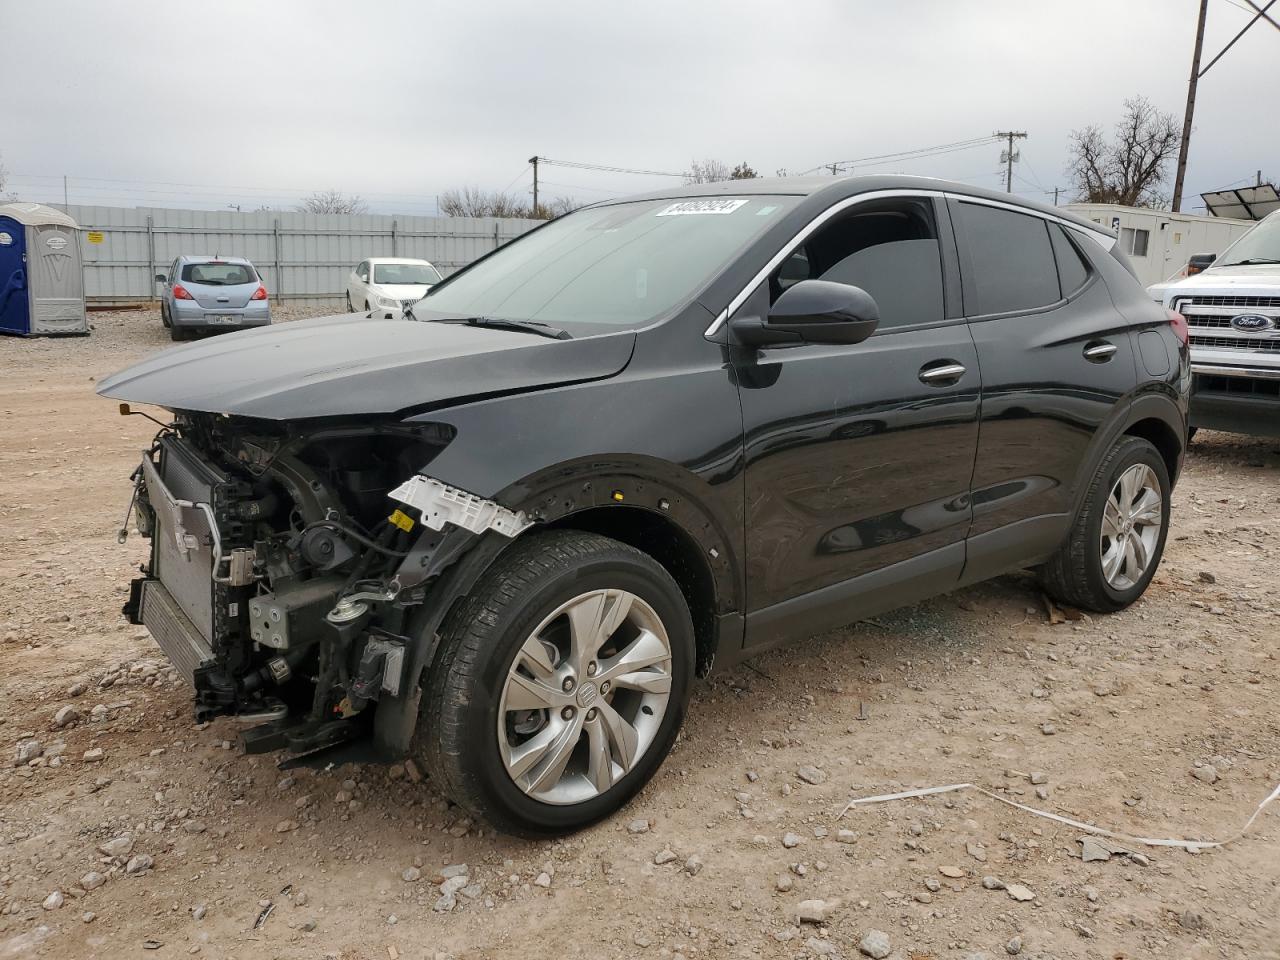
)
(859, 458)
(15, 311)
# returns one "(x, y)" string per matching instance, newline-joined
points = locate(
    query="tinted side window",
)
(1010, 259)
(1072, 272)
(889, 248)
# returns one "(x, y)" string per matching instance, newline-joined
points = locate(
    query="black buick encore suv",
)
(503, 532)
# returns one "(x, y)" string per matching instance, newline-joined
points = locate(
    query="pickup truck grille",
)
(1242, 303)
(1253, 344)
(1209, 320)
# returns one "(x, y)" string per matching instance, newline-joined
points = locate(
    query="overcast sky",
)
(201, 105)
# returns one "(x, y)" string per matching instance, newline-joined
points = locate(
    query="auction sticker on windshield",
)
(688, 207)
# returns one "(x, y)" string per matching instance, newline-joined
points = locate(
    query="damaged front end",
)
(287, 561)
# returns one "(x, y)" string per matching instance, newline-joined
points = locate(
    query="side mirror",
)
(1200, 262)
(161, 278)
(813, 311)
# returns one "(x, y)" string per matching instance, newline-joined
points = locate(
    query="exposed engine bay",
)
(286, 562)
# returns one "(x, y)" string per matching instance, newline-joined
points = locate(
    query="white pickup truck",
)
(1232, 307)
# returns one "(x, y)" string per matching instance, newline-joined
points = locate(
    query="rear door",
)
(1056, 359)
(858, 458)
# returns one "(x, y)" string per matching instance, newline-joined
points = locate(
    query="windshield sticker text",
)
(689, 207)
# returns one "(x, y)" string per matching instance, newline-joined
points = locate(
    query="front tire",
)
(1118, 537)
(560, 684)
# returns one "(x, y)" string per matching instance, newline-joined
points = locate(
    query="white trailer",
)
(1159, 243)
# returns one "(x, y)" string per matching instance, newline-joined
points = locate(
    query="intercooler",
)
(172, 630)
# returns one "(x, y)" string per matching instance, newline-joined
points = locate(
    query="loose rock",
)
(811, 775)
(1017, 891)
(139, 863)
(875, 944)
(65, 716)
(120, 846)
(1206, 774)
(92, 880)
(816, 911)
(53, 901)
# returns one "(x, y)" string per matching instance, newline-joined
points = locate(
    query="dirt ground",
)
(1101, 719)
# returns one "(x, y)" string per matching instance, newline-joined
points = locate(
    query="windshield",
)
(1261, 244)
(626, 263)
(418, 273)
(217, 274)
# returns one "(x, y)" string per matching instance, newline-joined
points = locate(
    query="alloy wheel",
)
(584, 697)
(1131, 523)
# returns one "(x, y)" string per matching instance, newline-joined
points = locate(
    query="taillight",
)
(180, 292)
(260, 293)
(1179, 324)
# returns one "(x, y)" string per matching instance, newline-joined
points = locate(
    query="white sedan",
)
(384, 286)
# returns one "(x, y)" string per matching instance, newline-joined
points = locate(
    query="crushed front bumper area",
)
(276, 603)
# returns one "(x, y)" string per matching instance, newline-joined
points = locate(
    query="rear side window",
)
(219, 274)
(1011, 264)
(1072, 272)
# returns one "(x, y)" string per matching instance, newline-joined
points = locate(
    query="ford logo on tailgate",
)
(1252, 322)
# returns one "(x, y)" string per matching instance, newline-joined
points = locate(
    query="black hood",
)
(350, 365)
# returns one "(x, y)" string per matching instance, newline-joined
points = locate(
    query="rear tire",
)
(350, 308)
(177, 333)
(519, 631)
(1114, 549)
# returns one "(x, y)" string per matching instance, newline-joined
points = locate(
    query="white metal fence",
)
(298, 254)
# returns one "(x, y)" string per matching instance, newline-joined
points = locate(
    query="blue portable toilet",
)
(41, 273)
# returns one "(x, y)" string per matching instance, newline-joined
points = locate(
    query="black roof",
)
(837, 188)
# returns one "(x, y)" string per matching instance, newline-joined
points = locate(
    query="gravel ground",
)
(126, 830)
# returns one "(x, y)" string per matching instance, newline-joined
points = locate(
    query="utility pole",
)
(1197, 73)
(1055, 196)
(1009, 155)
(534, 160)
(66, 204)
(1181, 175)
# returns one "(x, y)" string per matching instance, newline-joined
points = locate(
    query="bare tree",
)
(1130, 168)
(474, 202)
(708, 171)
(743, 171)
(333, 201)
(556, 208)
(4, 178)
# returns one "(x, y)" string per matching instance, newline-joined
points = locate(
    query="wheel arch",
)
(1155, 417)
(1161, 435)
(647, 505)
(674, 549)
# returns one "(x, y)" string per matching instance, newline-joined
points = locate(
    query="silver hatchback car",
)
(208, 294)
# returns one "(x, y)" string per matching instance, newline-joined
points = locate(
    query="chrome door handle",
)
(1098, 352)
(947, 372)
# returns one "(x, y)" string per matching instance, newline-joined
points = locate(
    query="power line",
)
(918, 153)
(606, 168)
